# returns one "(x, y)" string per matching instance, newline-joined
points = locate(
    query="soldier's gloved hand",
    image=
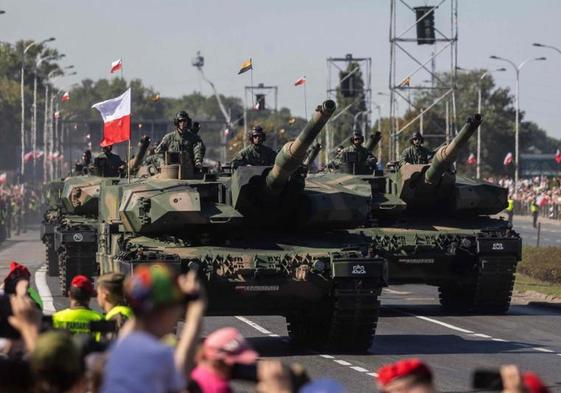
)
(198, 164)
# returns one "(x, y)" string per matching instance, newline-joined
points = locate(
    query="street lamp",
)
(56, 138)
(517, 69)
(478, 173)
(29, 46)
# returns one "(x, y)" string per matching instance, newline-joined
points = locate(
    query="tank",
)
(52, 210)
(446, 232)
(75, 233)
(266, 240)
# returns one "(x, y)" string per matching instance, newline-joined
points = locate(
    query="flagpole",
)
(251, 80)
(122, 77)
(305, 102)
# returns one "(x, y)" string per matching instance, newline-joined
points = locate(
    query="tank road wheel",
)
(51, 256)
(348, 323)
(487, 291)
(76, 259)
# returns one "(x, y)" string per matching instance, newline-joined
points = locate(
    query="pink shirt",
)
(209, 381)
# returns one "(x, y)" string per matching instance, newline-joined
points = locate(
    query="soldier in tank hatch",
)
(363, 159)
(256, 153)
(416, 153)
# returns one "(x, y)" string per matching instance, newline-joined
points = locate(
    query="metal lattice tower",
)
(406, 54)
(339, 64)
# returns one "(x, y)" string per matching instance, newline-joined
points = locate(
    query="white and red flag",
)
(3, 178)
(508, 159)
(116, 114)
(471, 159)
(116, 65)
(65, 97)
(300, 81)
(558, 156)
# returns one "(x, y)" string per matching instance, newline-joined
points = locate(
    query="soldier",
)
(113, 164)
(256, 153)
(417, 153)
(363, 159)
(183, 138)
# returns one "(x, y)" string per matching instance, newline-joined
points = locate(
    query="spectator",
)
(515, 382)
(111, 298)
(323, 385)
(221, 352)
(139, 362)
(406, 376)
(78, 316)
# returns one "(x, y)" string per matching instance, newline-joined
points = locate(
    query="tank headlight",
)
(319, 266)
(466, 243)
(195, 266)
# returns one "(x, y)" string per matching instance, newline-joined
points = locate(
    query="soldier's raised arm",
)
(163, 146)
(199, 150)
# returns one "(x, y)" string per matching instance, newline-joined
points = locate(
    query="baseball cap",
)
(227, 344)
(533, 383)
(17, 272)
(403, 368)
(151, 286)
(84, 283)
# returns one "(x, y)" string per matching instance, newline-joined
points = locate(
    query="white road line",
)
(540, 349)
(342, 362)
(446, 325)
(360, 369)
(44, 291)
(257, 327)
(327, 356)
(481, 335)
(499, 340)
(375, 375)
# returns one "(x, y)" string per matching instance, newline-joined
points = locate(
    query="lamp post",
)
(25, 49)
(517, 69)
(478, 164)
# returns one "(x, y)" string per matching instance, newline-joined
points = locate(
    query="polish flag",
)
(116, 65)
(28, 156)
(471, 159)
(65, 97)
(116, 114)
(3, 178)
(558, 157)
(508, 159)
(300, 81)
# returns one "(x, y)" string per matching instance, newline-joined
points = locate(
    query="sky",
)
(286, 39)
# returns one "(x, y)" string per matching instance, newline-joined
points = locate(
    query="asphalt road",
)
(411, 325)
(550, 232)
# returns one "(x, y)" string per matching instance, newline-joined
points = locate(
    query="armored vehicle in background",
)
(265, 240)
(75, 231)
(52, 213)
(446, 234)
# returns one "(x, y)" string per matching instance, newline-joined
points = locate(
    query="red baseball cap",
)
(17, 272)
(533, 383)
(403, 368)
(227, 344)
(82, 282)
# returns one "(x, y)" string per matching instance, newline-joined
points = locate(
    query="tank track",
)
(348, 324)
(488, 291)
(51, 256)
(75, 259)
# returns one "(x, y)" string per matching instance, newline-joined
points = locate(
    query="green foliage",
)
(542, 263)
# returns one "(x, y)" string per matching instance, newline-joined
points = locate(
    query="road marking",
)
(540, 349)
(341, 362)
(499, 340)
(481, 335)
(254, 325)
(446, 325)
(44, 291)
(396, 292)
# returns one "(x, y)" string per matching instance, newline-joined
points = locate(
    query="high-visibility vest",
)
(533, 208)
(510, 206)
(76, 320)
(124, 310)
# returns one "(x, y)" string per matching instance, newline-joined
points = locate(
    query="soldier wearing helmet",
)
(256, 153)
(183, 138)
(360, 158)
(416, 153)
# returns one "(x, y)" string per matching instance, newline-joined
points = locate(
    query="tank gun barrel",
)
(312, 155)
(447, 154)
(142, 149)
(373, 140)
(293, 153)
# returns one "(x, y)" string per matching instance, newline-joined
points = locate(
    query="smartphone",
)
(245, 372)
(487, 379)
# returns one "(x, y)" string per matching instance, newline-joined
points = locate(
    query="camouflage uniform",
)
(254, 155)
(415, 155)
(112, 164)
(365, 161)
(188, 141)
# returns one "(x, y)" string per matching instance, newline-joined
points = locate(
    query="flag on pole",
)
(405, 82)
(471, 159)
(300, 81)
(65, 97)
(508, 159)
(558, 156)
(56, 115)
(116, 65)
(246, 66)
(3, 178)
(116, 114)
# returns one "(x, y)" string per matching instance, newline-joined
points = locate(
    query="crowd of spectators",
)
(544, 191)
(144, 351)
(19, 206)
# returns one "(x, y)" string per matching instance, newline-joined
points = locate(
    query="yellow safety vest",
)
(510, 206)
(124, 310)
(533, 208)
(76, 320)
